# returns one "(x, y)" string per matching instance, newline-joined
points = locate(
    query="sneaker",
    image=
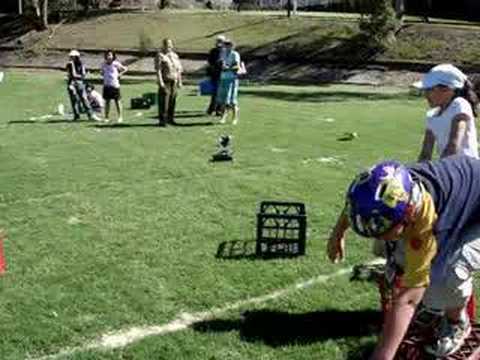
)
(223, 120)
(95, 117)
(120, 120)
(426, 317)
(234, 121)
(451, 336)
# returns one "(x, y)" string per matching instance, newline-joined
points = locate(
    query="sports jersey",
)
(450, 203)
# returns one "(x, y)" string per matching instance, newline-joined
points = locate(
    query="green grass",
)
(191, 31)
(321, 37)
(111, 227)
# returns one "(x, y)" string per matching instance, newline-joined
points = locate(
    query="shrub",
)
(145, 42)
(379, 23)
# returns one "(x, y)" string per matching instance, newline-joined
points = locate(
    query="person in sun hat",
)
(431, 210)
(227, 95)
(450, 123)
(76, 74)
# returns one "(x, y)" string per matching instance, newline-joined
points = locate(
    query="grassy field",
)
(192, 31)
(315, 38)
(112, 227)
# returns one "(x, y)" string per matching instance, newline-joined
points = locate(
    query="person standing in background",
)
(112, 70)
(214, 70)
(227, 95)
(169, 79)
(76, 74)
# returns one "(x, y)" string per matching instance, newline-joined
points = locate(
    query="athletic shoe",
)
(120, 120)
(235, 121)
(426, 317)
(223, 120)
(95, 117)
(451, 336)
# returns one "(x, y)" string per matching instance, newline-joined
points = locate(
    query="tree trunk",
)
(400, 9)
(45, 14)
(36, 7)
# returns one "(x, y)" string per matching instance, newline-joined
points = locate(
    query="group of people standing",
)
(224, 68)
(83, 96)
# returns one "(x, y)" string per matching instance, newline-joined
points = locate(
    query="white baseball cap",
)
(443, 74)
(221, 38)
(73, 53)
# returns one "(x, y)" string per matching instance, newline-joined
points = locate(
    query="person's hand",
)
(336, 247)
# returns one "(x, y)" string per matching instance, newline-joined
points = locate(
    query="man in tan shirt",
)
(169, 79)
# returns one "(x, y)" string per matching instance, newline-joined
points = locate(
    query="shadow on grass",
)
(324, 96)
(188, 115)
(13, 27)
(277, 328)
(13, 122)
(124, 126)
(40, 122)
(246, 250)
(236, 250)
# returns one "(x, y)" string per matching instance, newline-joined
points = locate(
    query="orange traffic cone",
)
(3, 263)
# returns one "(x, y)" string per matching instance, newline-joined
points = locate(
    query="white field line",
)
(122, 338)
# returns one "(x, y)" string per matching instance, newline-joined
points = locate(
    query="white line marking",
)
(122, 338)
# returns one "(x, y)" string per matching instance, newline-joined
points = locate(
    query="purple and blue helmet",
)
(377, 200)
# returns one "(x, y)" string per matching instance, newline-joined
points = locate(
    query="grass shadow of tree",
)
(324, 96)
(277, 328)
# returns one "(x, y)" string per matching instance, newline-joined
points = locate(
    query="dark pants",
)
(167, 98)
(213, 107)
(78, 99)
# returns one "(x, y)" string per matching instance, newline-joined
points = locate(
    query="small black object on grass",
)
(224, 151)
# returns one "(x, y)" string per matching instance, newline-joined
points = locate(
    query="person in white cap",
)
(76, 74)
(214, 69)
(450, 122)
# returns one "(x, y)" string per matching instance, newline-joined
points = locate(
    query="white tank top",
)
(441, 124)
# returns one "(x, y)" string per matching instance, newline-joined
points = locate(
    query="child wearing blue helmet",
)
(433, 209)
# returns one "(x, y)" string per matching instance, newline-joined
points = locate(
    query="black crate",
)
(139, 103)
(152, 98)
(281, 229)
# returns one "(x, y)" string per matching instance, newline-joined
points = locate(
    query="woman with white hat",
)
(76, 74)
(451, 119)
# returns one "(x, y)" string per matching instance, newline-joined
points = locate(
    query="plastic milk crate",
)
(151, 97)
(281, 229)
(139, 103)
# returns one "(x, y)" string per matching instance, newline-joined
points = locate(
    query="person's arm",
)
(122, 69)
(396, 322)
(427, 146)
(336, 241)
(158, 68)
(236, 63)
(180, 71)
(457, 132)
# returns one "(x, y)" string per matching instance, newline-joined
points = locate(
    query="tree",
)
(292, 7)
(40, 12)
(400, 9)
(44, 17)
